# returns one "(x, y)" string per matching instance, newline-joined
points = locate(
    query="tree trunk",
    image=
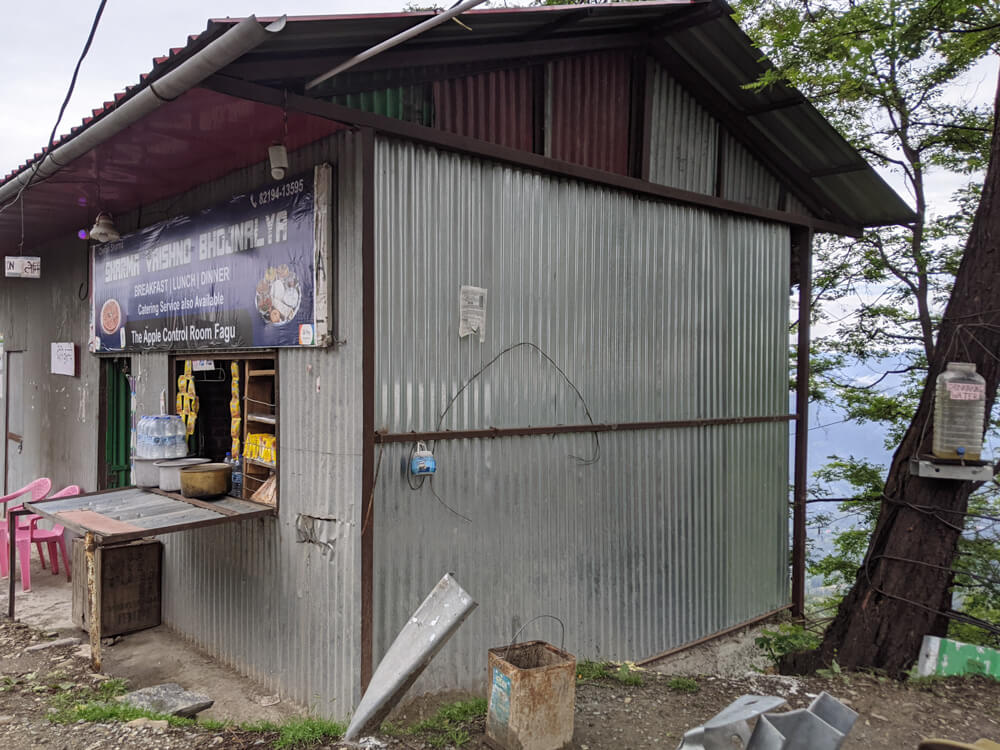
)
(904, 583)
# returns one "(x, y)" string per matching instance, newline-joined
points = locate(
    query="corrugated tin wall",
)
(587, 111)
(283, 611)
(683, 138)
(409, 103)
(55, 415)
(746, 180)
(495, 107)
(684, 149)
(653, 311)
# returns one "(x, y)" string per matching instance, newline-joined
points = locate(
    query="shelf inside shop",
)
(262, 418)
(259, 373)
(258, 462)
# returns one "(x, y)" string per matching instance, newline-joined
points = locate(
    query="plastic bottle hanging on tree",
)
(959, 410)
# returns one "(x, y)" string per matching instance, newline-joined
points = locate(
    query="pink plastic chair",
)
(54, 538)
(38, 489)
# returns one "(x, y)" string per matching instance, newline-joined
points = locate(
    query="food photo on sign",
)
(236, 275)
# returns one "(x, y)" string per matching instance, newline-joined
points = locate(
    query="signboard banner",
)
(238, 275)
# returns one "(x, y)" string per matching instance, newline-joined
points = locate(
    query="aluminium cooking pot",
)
(205, 480)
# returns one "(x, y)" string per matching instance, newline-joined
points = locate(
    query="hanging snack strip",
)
(234, 409)
(187, 400)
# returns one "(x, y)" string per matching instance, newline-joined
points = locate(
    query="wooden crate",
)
(130, 586)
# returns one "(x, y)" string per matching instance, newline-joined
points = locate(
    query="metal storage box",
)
(532, 697)
(130, 586)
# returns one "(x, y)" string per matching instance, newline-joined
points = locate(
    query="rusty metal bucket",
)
(532, 697)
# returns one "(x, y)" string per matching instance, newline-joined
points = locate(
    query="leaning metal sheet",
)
(133, 513)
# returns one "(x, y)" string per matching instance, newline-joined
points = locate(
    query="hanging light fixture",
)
(278, 156)
(104, 229)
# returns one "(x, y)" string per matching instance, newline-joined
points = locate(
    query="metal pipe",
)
(94, 597)
(801, 474)
(371, 52)
(564, 429)
(713, 636)
(236, 42)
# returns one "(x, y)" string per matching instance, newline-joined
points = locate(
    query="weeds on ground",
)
(789, 638)
(625, 673)
(73, 704)
(683, 685)
(99, 705)
(591, 670)
(446, 727)
(307, 731)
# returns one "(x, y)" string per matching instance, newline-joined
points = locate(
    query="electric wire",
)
(572, 385)
(418, 485)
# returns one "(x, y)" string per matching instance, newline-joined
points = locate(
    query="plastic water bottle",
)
(237, 482)
(959, 412)
(143, 445)
(159, 437)
(178, 437)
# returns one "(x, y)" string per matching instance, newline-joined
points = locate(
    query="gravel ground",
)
(608, 713)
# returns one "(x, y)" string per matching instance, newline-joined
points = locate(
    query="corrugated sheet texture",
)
(587, 118)
(795, 206)
(409, 103)
(683, 137)
(684, 150)
(653, 311)
(495, 106)
(746, 180)
(284, 611)
(55, 415)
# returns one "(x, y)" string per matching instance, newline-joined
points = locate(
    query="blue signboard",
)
(238, 275)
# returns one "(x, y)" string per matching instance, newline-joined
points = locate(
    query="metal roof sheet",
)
(700, 32)
(134, 513)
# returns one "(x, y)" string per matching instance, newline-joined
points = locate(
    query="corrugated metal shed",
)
(652, 311)
(683, 138)
(496, 106)
(745, 179)
(255, 595)
(587, 113)
(699, 39)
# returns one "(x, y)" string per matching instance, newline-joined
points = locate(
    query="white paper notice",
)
(472, 312)
(63, 359)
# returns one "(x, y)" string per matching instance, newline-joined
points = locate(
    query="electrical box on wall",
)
(422, 463)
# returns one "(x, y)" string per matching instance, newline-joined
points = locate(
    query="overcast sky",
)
(41, 40)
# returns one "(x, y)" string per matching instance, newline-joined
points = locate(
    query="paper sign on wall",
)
(63, 358)
(472, 312)
(22, 267)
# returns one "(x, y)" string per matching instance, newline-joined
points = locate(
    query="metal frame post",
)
(803, 240)
(368, 404)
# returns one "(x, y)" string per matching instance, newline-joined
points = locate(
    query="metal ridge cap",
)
(550, 9)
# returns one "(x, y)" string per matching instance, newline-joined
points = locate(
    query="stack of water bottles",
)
(162, 436)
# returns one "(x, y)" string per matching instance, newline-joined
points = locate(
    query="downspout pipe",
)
(381, 47)
(233, 44)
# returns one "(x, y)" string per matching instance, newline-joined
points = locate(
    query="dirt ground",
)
(608, 713)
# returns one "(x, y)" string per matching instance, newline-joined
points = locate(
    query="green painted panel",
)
(409, 103)
(948, 658)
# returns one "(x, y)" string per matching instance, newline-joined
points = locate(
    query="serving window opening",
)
(229, 405)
